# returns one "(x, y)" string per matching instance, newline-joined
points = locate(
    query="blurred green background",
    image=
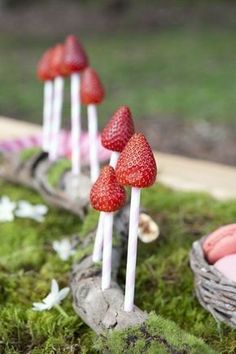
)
(172, 62)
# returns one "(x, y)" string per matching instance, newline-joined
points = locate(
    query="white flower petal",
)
(63, 248)
(39, 306)
(41, 209)
(52, 299)
(63, 293)
(28, 210)
(54, 287)
(6, 209)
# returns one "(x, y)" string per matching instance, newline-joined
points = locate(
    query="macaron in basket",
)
(213, 262)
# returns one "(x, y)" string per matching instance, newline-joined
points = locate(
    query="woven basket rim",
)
(197, 247)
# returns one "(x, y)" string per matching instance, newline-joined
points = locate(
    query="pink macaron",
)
(220, 243)
(227, 266)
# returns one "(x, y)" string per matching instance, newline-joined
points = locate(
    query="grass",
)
(164, 281)
(172, 73)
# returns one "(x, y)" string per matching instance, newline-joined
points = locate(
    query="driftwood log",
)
(103, 310)
(100, 310)
(71, 193)
(215, 292)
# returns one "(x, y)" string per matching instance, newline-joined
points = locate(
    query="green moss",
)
(156, 335)
(26, 154)
(56, 170)
(164, 282)
(90, 222)
(27, 265)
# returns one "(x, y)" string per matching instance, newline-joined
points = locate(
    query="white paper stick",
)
(93, 153)
(75, 123)
(47, 114)
(56, 122)
(97, 250)
(132, 249)
(114, 158)
(107, 251)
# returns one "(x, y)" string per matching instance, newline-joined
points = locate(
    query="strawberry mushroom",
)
(92, 93)
(57, 72)
(137, 168)
(75, 60)
(44, 74)
(107, 196)
(114, 137)
(117, 133)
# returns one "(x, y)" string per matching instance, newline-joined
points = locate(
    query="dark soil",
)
(204, 140)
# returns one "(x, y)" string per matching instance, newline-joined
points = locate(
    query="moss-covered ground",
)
(164, 280)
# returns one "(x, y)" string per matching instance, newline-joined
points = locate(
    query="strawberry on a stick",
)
(92, 93)
(75, 61)
(107, 196)
(44, 74)
(114, 137)
(137, 168)
(57, 72)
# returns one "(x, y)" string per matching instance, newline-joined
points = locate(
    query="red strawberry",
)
(106, 194)
(57, 61)
(119, 130)
(43, 67)
(136, 166)
(92, 90)
(75, 58)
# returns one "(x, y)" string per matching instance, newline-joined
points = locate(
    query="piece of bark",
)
(71, 193)
(103, 310)
(16, 170)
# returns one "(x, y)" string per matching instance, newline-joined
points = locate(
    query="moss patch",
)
(56, 170)
(26, 154)
(164, 280)
(27, 265)
(156, 335)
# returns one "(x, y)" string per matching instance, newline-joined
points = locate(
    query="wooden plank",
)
(12, 128)
(177, 172)
(182, 173)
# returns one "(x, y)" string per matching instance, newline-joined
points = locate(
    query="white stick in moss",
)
(107, 196)
(114, 137)
(92, 93)
(57, 116)
(58, 71)
(47, 114)
(98, 244)
(75, 60)
(136, 167)
(44, 74)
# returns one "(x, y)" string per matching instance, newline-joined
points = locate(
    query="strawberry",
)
(57, 61)
(43, 67)
(119, 130)
(136, 166)
(92, 90)
(106, 194)
(75, 58)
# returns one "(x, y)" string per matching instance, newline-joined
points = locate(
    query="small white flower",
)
(6, 209)
(28, 210)
(63, 248)
(54, 298)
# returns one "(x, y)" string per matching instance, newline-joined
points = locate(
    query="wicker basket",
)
(215, 293)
